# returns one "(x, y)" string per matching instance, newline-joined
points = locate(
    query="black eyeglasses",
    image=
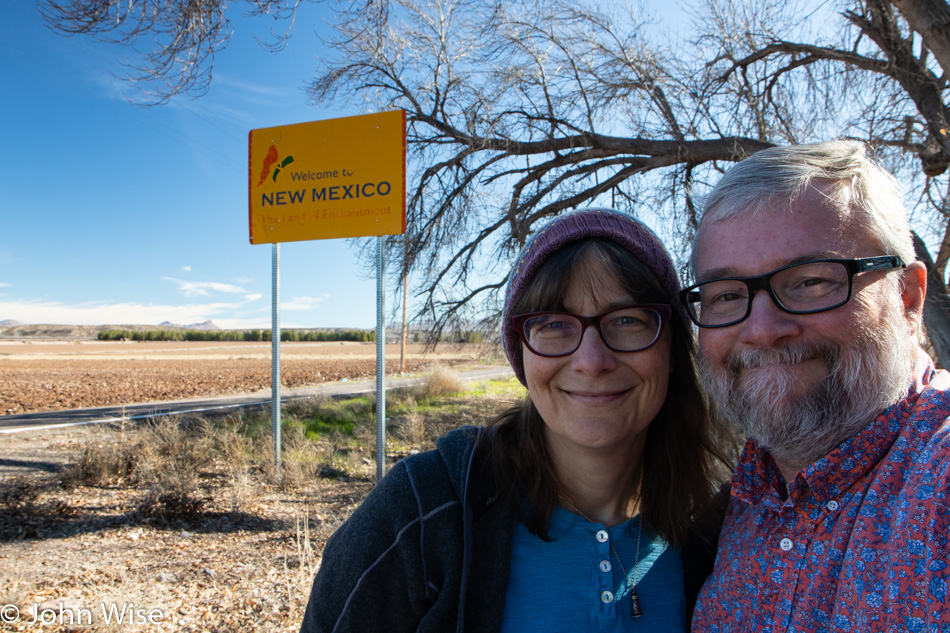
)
(628, 329)
(805, 288)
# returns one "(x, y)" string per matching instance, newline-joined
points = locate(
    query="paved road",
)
(100, 415)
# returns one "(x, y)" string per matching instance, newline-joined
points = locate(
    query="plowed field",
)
(49, 376)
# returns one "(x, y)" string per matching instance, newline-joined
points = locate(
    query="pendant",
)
(635, 609)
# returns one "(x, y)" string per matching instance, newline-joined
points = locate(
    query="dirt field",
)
(50, 375)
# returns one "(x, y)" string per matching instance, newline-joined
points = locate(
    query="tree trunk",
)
(930, 18)
(936, 307)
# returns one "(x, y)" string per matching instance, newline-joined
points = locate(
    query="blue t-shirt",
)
(573, 582)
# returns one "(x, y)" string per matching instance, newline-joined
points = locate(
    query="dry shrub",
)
(300, 458)
(108, 457)
(411, 425)
(300, 408)
(416, 421)
(308, 561)
(312, 533)
(237, 449)
(170, 501)
(408, 408)
(173, 454)
(166, 456)
(441, 382)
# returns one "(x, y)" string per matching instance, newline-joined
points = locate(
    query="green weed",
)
(499, 387)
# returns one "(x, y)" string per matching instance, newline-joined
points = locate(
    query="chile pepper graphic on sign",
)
(328, 179)
(269, 160)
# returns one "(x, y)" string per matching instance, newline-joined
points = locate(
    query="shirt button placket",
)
(605, 581)
(793, 550)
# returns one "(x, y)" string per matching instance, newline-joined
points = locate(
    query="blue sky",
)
(113, 213)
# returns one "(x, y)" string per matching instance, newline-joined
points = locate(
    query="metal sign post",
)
(380, 359)
(275, 357)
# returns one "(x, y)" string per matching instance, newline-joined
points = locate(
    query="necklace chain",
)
(635, 610)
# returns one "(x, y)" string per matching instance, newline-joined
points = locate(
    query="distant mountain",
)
(10, 323)
(206, 325)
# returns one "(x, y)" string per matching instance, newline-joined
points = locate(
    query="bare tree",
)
(520, 109)
(180, 37)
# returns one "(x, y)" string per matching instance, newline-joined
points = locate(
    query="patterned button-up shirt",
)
(861, 541)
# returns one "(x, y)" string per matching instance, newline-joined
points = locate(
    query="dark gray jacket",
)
(428, 551)
(406, 558)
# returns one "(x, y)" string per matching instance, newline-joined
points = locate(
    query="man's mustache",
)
(788, 354)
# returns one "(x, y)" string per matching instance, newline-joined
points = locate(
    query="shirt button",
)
(606, 597)
(785, 544)
(833, 505)
(601, 536)
(605, 565)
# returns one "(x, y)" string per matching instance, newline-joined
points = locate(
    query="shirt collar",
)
(758, 480)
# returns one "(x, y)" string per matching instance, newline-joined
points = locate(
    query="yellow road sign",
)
(326, 179)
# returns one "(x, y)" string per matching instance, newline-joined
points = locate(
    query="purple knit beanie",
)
(572, 227)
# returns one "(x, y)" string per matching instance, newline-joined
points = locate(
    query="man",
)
(809, 304)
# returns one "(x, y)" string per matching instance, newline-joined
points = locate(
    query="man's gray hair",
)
(774, 178)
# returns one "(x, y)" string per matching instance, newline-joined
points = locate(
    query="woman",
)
(583, 509)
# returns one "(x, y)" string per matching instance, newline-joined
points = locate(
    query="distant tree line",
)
(462, 336)
(236, 335)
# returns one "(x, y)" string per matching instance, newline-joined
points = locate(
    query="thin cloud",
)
(264, 90)
(186, 269)
(303, 303)
(204, 288)
(111, 86)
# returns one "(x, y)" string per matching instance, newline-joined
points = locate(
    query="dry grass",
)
(109, 458)
(442, 382)
(175, 456)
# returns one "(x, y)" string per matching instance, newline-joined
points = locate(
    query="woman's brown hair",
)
(681, 467)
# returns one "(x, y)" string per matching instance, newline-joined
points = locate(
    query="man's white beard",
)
(862, 381)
